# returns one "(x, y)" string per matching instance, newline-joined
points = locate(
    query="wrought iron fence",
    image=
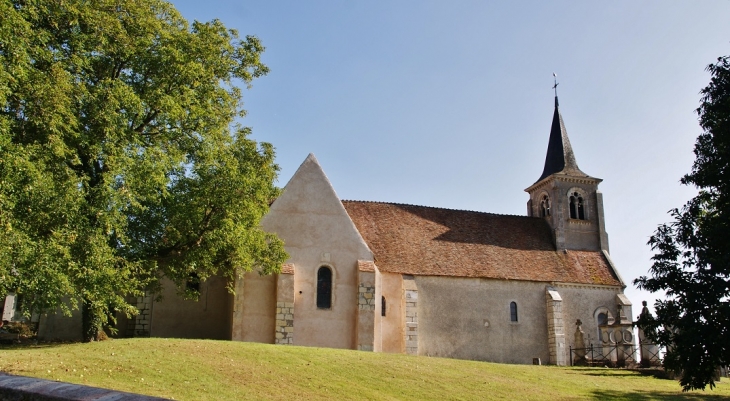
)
(650, 354)
(644, 354)
(613, 355)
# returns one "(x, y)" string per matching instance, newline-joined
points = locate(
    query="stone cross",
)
(580, 344)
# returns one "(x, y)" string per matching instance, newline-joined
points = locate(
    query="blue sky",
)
(449, 104)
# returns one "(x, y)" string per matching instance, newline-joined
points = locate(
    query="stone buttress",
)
(284, 326)
(556, 329)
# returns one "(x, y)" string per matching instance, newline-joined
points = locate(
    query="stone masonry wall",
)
(32, 389)
(366, 307)
(143, 321)
(411, 322)
(284, 317)
(284, 323)
(366, 297)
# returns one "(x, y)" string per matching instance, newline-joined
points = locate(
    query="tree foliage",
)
(692, 260)
(120, 159)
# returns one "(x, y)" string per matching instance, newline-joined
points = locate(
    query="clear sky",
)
(449, 103)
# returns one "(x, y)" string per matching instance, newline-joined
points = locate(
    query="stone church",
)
(421, 280)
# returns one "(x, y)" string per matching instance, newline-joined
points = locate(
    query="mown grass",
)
(224, 370)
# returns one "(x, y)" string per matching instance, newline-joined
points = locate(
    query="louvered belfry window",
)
(324, 288)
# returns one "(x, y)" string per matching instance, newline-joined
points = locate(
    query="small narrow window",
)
(545, 206)
(573, 210)
(513, 311)
(581, 212)
(324, 288)
(382, 306)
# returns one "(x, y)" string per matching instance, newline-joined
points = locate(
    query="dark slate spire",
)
(560, 157)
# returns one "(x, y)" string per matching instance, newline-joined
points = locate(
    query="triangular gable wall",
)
(318, 233)
(309, 213)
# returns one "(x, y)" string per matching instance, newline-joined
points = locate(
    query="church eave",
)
(563, 177)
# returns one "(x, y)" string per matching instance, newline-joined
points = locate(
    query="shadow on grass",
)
(655, 395)
(602, 372)
(29, 346)
(656, 373)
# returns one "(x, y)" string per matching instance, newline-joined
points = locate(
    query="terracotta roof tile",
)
(287, 268)
(366, 265)
(424, 240)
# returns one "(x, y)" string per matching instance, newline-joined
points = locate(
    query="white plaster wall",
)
(581, 302)
(56, 326)
(317, 232)
(453, 314)
(469, 318)
(208, 317)
(390, 330)
(377, 321)
(255, 308)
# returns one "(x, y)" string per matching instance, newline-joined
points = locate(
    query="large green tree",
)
(120, 159)
(692, 260)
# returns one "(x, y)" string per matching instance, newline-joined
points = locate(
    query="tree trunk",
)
(90, 322)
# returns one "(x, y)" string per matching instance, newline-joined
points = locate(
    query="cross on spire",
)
(560, 157)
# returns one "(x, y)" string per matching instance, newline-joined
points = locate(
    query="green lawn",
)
(224, 370)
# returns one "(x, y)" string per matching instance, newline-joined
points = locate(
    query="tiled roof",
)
(424, 240)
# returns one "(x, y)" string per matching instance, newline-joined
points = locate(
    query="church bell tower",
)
(566, 197)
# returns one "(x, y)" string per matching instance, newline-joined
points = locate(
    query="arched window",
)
(577, 208)
(545, 206)
(324, 288)
(603, 318)
(513, 311)
(382, 306)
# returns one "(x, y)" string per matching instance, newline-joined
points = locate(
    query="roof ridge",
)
(435, 207)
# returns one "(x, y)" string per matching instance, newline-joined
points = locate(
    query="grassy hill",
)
(223, 370)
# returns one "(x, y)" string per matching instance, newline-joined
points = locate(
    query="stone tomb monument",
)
(616, 343)
(649, 350)
(579, 353)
